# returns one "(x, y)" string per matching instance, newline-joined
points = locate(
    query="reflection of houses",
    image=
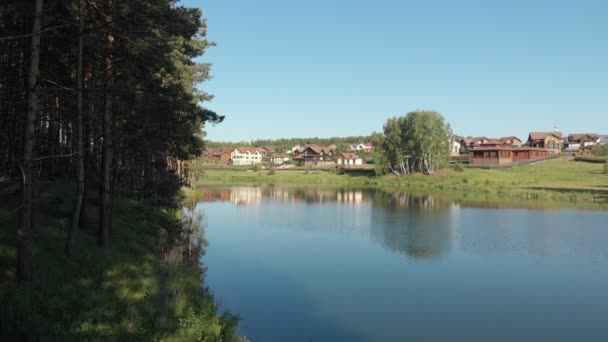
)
(551, 141)
(345, 159)
(246, 156)
(576, 142)
(317, 155)
(505, 155)
(245, 195)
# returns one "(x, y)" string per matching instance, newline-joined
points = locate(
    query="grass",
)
(138, 289)
(560, 179)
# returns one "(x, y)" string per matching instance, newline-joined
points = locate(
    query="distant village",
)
(476, 151)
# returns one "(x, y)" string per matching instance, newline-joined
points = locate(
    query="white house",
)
(246, 156)
(455, 148)
(361, 147)
(345, 159)
(280, 158)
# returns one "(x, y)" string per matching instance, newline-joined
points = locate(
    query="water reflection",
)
(372, 265)
(421, 227)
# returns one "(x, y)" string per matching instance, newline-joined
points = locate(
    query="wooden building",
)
(511, 141)
(315, 155)
(490, 156)
(551, 141)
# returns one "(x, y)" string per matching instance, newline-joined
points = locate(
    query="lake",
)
(365, 265)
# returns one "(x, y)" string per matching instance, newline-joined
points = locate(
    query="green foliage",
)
(285, 144)
(271, 172)
(600, 150)
(125, 293)
(416, 142)
(605, 169)
(458, 167)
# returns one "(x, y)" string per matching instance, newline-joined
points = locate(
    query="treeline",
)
(285, 144)
(104, 92)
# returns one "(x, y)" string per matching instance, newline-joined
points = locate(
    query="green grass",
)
(558, 179)
(129, 292)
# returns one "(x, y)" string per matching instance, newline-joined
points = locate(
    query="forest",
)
(100, 107)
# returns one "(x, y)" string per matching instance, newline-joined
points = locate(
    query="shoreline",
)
(559, 180)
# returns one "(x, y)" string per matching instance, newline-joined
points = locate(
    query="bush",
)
(271, 172)
(458, 167)
(605, 169)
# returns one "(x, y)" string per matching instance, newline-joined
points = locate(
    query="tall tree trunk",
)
(24, 231)
(105, 212)
(79, 136)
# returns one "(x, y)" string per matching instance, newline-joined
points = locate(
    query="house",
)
(602, 139)
(315, 154)
(297, 148)
(212, 154)
(226, 155)
(492, 143)
(467, 144)
(361, 147)
(511, 141)
(576, 142)
(455, 152)
(265, 150)
(347, 159)
(551, 141)
(280, 158)
(489, 156)
(246, 156)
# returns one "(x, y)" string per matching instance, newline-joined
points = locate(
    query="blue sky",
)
(335, 68)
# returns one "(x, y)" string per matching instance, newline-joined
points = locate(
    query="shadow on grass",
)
(128, 292)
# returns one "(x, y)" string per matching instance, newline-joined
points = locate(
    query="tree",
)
(416, 142)
(79, 136)
(24, 231)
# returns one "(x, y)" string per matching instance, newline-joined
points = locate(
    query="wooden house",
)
(551, 141)
(315, 155)
(491, 156)
(511, 141)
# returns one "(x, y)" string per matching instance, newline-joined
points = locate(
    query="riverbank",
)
(562, 179)
(141, 288)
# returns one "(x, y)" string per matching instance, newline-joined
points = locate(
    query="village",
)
(472, 151)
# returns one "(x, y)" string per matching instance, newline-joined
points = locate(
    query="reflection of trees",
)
(417, 226)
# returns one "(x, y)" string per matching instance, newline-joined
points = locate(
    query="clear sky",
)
(286, 68)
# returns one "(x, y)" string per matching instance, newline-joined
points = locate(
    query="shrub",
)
(605, 169)
(458, 167)
(271, 172)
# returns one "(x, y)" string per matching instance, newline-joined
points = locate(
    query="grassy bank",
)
(141, 288)
(559, 179)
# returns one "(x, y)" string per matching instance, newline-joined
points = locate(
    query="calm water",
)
(337, 265)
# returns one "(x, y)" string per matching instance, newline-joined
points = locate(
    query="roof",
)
(543, 135)
(348, 156)
(281, 155)
(493, 142)
(268, 148)
(467, 141)
(252, 150)
(504, 148)
(579, 136)
(509, 138)
(318, 149)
